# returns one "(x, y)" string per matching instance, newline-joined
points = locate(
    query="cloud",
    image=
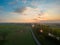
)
(18, 20)
(35, 19)
(28, 11)
(52, 14)
(35, 4)
(19, 10)
(24, 1)
(0, 19)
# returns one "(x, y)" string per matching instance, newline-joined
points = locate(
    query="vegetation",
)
(16, 34)
(20, 34)
(50, 35)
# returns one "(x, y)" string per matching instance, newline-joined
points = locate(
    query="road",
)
(34, 37)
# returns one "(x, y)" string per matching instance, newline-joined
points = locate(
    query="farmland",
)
(22, 34)
(15, 34)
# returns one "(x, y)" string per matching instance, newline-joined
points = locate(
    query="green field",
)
(20, 34)
(16, 34)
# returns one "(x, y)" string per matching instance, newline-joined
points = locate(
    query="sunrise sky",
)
(29, 10)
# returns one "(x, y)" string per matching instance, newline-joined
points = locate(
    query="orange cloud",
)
(22, 20)
(51, 14)
(31, 11)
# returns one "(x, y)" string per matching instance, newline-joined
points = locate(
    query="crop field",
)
(20, 34)
(16, 34)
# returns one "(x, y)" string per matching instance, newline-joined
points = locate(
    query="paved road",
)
(34, 37)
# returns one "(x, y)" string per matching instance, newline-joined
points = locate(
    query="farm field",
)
(16, 34)
(22, 34)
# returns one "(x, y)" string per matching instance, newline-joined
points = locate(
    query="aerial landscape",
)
(29, 22)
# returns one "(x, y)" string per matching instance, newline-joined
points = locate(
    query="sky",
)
(28, 11)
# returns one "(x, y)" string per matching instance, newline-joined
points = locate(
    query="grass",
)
(16, 35)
